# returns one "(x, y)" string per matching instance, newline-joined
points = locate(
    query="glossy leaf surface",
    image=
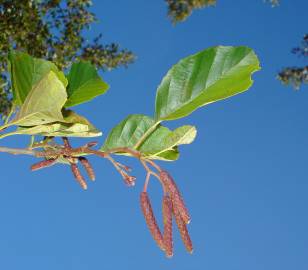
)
(208, 76)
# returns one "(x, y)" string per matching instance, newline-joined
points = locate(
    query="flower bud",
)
(129, 180)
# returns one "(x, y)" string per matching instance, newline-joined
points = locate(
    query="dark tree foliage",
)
(53, 30)
(274, 3)
(296, 76)
(180, 10)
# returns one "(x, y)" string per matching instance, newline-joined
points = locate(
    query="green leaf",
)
(128, 132)
(80, 126)
(160, 143)
(61, 130)
(76, 126)
(43, 104)
(26, 71)
(208, 76)
(169, 155)
(84, 84)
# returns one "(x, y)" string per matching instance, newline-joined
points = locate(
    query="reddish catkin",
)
(167, 217)
(86, 164)
(183, 230)
(78, 176)
(150, 219)
(43, 164)
(175, 194)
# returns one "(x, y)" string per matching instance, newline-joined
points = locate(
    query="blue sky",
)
(244, 178)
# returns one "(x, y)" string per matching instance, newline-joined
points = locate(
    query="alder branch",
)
(52, 152)
(173, 204)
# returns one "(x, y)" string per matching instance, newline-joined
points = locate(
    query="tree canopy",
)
(180, 10)
(53, 30)
(296, 76)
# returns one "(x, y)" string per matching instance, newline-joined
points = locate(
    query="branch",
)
(52, 152)
(17, 151)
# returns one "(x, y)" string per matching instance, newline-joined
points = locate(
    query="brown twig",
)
(128, 179)
(126, 168)
(149, 172)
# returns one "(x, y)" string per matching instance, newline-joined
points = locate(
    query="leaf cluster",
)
(179, 10)
(195, 81)
(43, 96)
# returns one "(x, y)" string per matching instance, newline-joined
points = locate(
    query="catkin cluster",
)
(173, 207)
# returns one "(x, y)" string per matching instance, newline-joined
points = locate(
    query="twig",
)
(152, 163)
(149, 173)
(129, 180)
(146, 182)
(17, 151)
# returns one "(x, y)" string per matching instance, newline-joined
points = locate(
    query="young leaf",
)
(43, 104)
(157, 146)
(169, 155)
(76, 126)
(26, 71)
(84, 84)
(159, 143)
(129, 131)
(208, 76)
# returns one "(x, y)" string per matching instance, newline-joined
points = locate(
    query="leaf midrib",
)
(208, 86)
